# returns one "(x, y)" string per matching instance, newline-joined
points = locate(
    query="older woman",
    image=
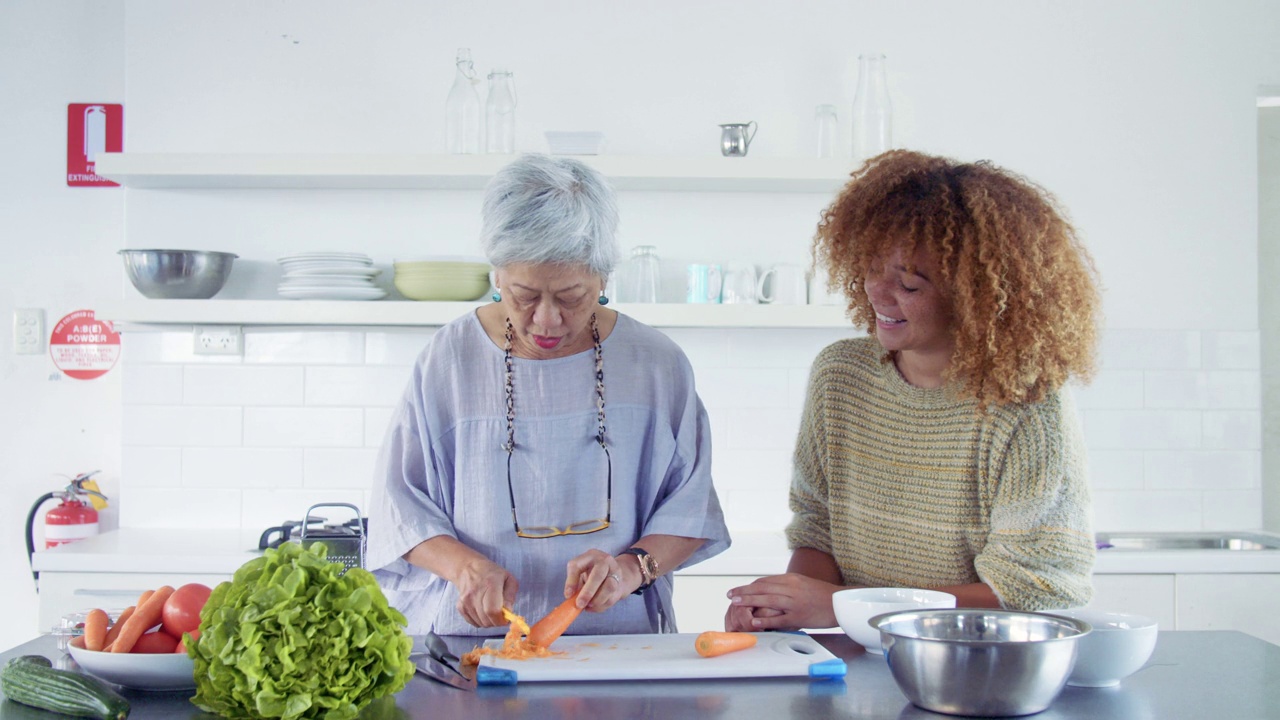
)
(547, 447)
(942, 451)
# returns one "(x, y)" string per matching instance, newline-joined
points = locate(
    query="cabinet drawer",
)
(62, 593)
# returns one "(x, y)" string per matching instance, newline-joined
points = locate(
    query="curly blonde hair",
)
(1023, 289)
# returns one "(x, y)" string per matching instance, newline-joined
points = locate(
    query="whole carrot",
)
(147, 616)
(114, 632)
(545, 631)
(713, 642)
(95, 630)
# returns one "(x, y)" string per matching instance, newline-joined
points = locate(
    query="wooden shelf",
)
(463, 172)
(403, 313)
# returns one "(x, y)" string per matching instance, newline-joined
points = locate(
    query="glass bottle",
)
(825, 119)
(872, 113)
(500, 113)
(462, 110)
(639, 276)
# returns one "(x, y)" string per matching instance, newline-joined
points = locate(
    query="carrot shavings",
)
(515, 645)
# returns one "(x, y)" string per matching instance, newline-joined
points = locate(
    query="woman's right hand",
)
(484, 588)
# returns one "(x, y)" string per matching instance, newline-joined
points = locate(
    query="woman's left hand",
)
(799, 601)
(596, 578)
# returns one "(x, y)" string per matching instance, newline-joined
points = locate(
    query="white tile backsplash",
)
(1232, 350)
(242, 385)
(143, 466)
(251, 467)
(1115, 469)
(1203, 470)
(304, 427)
(1150, 350)
(1172, 422)
(166, 425)
(339, 467)
(396, 348)
(1233, 429)
(152, 384)
(1110, 390)
(207, 508)
(312, 347)
(1142, 429)
(357, 385)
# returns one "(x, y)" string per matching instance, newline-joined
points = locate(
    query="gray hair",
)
(542, 209)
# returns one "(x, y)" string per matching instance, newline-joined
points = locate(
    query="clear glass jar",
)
(500, 113)
(462, 109)
(638, 280)
(872, 111)
(825, 120)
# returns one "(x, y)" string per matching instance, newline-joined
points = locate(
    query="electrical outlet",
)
(218, 340)
(28, 331)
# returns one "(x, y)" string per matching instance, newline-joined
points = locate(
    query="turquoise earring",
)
(497, 297)
(603, 300)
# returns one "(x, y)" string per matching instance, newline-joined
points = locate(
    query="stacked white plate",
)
(329, 276)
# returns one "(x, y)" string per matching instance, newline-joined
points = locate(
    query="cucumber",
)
(32, 680)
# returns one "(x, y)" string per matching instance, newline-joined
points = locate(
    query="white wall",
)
(1139, 116)
(1269, 307)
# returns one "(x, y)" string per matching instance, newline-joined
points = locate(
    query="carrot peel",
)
(714, 642)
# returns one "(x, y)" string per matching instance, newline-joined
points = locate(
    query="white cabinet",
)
(1239, 601)
(1150, 595)
(62, 593)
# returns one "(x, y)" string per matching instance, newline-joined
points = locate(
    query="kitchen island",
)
(1192, 675)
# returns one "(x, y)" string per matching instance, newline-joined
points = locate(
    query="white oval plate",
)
(166, 671)
(332, 293)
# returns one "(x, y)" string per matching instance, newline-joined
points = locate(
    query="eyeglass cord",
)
(509, 386)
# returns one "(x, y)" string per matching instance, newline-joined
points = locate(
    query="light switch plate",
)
(28, 331)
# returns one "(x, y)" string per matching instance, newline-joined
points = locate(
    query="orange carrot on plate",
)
(545, 631)
(95, 630)
(714, 642)
(143, 619)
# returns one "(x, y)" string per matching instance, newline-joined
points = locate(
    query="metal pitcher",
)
(735, 138)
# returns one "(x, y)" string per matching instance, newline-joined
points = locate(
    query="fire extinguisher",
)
(75, 518)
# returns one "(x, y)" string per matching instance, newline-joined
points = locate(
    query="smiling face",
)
(913, 314)
(550, 307)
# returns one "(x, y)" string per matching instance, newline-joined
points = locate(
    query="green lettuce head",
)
(292, 636)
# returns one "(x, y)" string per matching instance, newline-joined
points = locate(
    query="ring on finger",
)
(616, 578)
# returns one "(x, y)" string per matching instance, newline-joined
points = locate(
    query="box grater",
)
(345, 542)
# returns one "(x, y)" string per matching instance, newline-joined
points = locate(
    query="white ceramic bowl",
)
(1118, 646)
(854, 607)
(165, 671)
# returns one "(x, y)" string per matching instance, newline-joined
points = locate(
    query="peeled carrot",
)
(713, 642)
(146, 616)
(545, 631)
(142, 599)
(114, 632)
(95, 630)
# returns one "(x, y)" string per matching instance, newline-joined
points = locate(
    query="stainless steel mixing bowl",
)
(178, 274)
(973, 661)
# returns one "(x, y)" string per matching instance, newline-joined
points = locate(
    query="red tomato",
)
(155, 642)
(181, 612)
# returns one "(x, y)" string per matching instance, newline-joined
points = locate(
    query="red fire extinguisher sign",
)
(92, 128)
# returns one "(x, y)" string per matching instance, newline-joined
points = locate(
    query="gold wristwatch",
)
(648, 568)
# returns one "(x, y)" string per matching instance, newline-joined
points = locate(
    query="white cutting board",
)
(663, 657)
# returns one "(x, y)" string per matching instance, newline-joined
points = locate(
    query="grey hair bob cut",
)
(542, 209)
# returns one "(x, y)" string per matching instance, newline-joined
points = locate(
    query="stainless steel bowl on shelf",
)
(178, 274)
(976, 661)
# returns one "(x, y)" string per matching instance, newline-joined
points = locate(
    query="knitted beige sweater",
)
(911, 487)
